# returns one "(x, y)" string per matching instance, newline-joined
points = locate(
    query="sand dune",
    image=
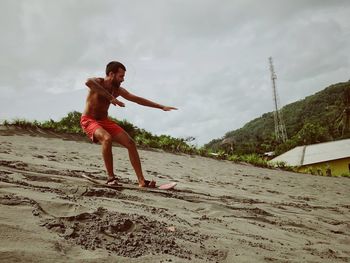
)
(219, 211)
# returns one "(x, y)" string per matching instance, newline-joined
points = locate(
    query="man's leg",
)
(106, 141)
(124, 139)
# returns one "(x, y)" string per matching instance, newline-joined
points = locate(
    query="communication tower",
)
(280, 128)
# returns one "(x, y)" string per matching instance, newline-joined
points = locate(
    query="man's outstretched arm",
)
(94, 85)
(142, 101)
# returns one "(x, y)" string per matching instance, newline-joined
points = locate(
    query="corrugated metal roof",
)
(316, 153)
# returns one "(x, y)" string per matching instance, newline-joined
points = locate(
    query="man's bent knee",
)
(130, 144)
(125, 140)
(104, 138)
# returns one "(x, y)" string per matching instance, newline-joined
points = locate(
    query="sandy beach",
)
(219, 211)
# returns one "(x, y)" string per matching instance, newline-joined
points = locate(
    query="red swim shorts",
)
(90, 125)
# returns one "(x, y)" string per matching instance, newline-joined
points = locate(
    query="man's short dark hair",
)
(113, 66)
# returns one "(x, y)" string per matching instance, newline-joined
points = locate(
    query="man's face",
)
(118, 78)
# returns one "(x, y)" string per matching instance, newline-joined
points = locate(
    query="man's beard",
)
(116, 84)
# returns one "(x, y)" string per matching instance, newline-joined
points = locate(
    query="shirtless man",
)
(99, 128)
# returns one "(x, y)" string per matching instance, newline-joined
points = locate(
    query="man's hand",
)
(166, 108)
(116, 102)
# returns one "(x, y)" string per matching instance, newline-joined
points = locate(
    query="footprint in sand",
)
(62, 208)
(177, 164)
(33, 148)
(5, 147)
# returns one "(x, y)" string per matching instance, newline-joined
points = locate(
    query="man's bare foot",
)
(113, 182)
(149, 184)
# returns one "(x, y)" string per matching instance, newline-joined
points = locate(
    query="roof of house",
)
(316, 153)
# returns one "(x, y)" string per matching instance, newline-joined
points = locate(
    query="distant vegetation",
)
(317, 118)
(71, 124)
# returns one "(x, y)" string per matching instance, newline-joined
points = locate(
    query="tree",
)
(312, 133)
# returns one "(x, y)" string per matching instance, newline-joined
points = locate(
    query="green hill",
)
(317, 118)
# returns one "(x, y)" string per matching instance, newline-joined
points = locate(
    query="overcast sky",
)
(208, 58)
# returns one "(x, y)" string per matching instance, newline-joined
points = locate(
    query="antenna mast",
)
(280, 128)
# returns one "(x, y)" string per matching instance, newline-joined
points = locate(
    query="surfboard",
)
(161, 188)
(167, 186)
